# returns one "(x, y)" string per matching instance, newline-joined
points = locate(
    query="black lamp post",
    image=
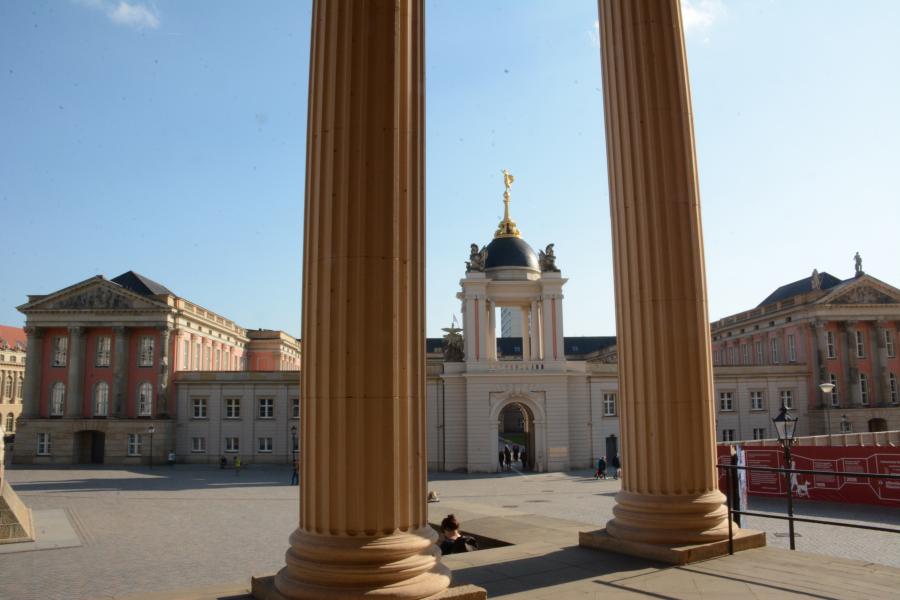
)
(827, 389)
(786, 427)
(151, 430)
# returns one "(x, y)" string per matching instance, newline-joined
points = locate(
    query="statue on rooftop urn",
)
(477, 258)
(547, 259)
(452, 346)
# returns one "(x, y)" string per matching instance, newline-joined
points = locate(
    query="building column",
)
(849, 363)
(120, 371)
(34, 363)
(533, 331)
(880, 370)
(363, 520)
(162, 392)
(669, 489)
(75, 384)
(490, 338)
(526, 334)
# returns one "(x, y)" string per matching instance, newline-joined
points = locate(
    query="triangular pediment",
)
(93, 294)
(863, 290)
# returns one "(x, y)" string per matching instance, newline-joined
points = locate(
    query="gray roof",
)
(141, 285)
(801, 286)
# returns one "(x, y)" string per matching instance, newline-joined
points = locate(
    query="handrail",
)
(730, 471)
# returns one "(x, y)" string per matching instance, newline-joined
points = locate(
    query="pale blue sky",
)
(169, 138)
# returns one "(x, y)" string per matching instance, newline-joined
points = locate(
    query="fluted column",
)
(34, 362)
(363, 519)
(526, 334)
(669, 489)
(75, 385)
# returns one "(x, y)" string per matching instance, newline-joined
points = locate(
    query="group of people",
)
(603, 468)
(223, 462)
(507, 457)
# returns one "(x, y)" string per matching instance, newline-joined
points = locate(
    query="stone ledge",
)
(744, 539)
(263, 588)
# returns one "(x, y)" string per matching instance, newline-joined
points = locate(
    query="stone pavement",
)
(171, 529)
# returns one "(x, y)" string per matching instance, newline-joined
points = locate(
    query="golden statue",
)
(507, 227)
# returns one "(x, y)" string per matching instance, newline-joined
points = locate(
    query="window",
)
(889, 343)
(863, 388)
(43, 444)
(57, 399)
(145, 351)
(745, 354)
(715, 357)
(265, 444)
(232, 444)
(8, 387)
(197, 356)
(19, 387)
(104, 346)
(787, 398)
(10, 426)
(199, 406)
(135, 442)
(760, 358)
(198, 444)
(792, 349)
(726, 401)
(756, 401)
(186, 355)
(232, 408)
(101, 399)
(775, 358)
(894, 393)
(145, 399)
(295, 408)
(759, 433)
(860, 345)
(60, 350)
(609, 405)
(728, 435)
(835, 399)
(266, 408)
(829, 343)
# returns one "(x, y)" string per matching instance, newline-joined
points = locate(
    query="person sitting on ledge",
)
(453, 541)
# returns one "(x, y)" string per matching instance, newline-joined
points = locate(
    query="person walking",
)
(601, 468)
(295, 473)
(524, 458)
(237, 466)
(515, 453)
(616, 465)
(500, 457)
(507, 455)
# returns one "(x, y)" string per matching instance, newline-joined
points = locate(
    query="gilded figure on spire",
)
(507, 227)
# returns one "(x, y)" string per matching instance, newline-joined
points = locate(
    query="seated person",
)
(453, 541)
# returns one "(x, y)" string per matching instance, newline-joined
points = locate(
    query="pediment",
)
(866, 291)
(94, 294)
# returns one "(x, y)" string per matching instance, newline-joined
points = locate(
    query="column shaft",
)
(34, 362)
(75, 384)
(669, 492)
(363, 520)
(120, 371)
(162, 394)
(526, 334)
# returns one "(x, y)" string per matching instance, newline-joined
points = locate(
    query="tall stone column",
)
(849, 363)
(526, 334)
(75, 384)
(120, 371)
(533, 331)
(669, 490)
(162, 392)
(34, 362)
(363, 520)
(880, 371)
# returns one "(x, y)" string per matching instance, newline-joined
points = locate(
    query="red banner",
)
(832, 488)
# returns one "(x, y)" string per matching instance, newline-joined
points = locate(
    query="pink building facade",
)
(108, 354)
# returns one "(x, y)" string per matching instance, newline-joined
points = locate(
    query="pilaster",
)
(669, 490)
(162, 391)
(75, 384)
(120, 371)
(31, 400)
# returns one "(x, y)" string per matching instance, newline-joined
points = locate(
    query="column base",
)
(744, 539)
(669, 518)
(338, 567)
(263, 588)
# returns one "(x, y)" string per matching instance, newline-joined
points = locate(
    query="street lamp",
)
(827, 389)
(786, 427)
(151, 430)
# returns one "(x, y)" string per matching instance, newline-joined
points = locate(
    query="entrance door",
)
(90, 447)
(98, 447)
(612, 449)
(516, 431)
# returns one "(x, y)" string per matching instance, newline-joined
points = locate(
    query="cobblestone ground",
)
(167, 528)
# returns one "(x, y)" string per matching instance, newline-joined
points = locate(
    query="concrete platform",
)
(744, 539)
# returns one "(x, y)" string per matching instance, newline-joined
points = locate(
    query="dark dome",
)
(505, 252)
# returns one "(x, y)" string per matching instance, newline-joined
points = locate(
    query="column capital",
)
(34, 331)
(76, 330)
(119, 329)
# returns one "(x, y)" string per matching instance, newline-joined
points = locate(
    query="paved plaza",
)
(170, 528)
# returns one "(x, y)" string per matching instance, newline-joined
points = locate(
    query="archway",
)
(90, 447)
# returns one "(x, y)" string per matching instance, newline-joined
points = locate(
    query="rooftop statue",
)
(452, 345)
(857, 261)
(477, 258)
(547, 259)
(816, 280)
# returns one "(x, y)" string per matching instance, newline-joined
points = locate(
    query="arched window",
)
(145, 399)
(10, 424)
(58, 399)
(101, 399)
